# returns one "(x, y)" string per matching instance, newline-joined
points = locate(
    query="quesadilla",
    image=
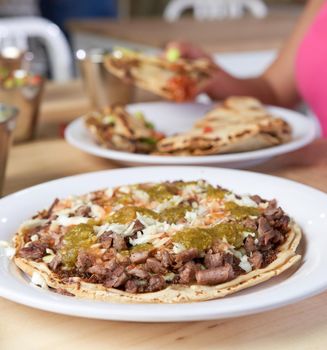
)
(166, 242)
(239, 124)
(117, 129)
(179, 80)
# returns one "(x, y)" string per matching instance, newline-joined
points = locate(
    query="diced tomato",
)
(182, 88)
(159, 135)
(207, 129)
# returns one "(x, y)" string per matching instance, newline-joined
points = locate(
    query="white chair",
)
(57, 47)
(215, 9)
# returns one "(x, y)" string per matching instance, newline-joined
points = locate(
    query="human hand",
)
(215, 86)
(221, 84)
(183, 49)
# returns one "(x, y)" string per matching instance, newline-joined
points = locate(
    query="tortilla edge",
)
(286, 258)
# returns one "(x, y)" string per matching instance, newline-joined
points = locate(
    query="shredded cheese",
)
(34, 238)
(33, 223)
(141, 196)
(178, 248)
(246, 233)
(244, 264)
(38, 280)
(64, 220)
(245, 200)
(172, 202)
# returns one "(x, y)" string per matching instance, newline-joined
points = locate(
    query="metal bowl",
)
(27, 99)
(102, 87)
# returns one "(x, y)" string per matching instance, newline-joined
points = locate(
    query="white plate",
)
(306, 205)
(171, 118)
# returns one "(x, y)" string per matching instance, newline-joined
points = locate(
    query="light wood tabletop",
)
(299, 326)
(247, 33)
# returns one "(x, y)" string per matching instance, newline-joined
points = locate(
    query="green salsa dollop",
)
(142, 247)
(241, 211)
(127, 214)
(215, 193)
(175, 214)
(203, 238)
(78, 237)
(159, 193)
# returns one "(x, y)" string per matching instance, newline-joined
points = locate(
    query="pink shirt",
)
(311, 67)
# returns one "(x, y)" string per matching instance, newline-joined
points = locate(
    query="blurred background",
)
(52, 51)
(82, 25)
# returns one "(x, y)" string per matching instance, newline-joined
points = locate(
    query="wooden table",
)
(243, 34)
(299, 326)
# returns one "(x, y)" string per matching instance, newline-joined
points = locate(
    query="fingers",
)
(217, 84)
(177, 49)
(186, 50)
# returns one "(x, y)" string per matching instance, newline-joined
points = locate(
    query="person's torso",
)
(311, 67)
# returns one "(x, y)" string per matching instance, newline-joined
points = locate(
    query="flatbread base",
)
(286, 258)
(154, 82)
(253, 137)
(239, 124)
(152, 73)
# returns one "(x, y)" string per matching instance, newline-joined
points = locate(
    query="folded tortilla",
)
(115, 128)
(240, 124)
(179, 80)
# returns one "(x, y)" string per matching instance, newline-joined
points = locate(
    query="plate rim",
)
(69, 309)
(121, 156)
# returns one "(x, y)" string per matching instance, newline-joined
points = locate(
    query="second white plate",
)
(171, 118)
